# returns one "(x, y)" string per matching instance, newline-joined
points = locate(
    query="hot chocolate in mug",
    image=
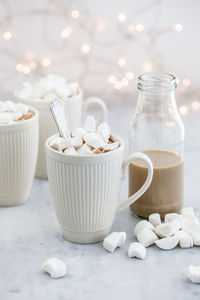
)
(86, 190)
(75, 107)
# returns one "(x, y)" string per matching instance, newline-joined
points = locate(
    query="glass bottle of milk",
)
(157, 130)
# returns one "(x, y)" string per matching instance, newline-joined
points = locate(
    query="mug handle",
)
(99, 102)
(135, 156)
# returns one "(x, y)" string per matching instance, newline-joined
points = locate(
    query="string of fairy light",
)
(120, 74)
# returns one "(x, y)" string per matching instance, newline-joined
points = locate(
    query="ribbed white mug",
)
(18, 157)
(86, 189)
(75, 107)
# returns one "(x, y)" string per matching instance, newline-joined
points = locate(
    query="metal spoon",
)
(57, 108)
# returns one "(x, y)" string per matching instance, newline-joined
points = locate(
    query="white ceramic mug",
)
(75, 107)
(86, 189)
(18, 157)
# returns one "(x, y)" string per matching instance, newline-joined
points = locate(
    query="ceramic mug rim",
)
(22, 123)
(45, 103)
(76, 158)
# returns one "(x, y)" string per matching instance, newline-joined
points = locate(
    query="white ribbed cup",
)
(47, 126)
(18, 156)
(86, 189)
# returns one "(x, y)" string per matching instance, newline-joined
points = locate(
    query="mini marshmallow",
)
(185, 240)
(78, 132)
(137, 250)
(194, 273)
(154, 219)
(11, 106)
(70, 151)
(172, 217)
(141, 225)
(114, 240)
(90, 124)
(187, 211)
(84, 149)
(111, 146)
(94, 140)
(61, 143)
(2, 106)
(196, 238)
(6, 118)
(54, 267)
(76, 141)
(146, 237)
(17, 116)
(167, 229)
(167, 243)
(104, 130)
(23, 108)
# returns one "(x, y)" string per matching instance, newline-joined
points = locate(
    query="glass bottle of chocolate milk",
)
(157, 130)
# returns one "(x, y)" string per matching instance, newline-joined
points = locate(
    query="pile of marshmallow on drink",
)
(87, 140)
(47, 88)
(178, 229)
(11, 112)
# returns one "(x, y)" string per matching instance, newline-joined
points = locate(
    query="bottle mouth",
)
(156, 82)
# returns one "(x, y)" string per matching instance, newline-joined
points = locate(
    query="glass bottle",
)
(157, 130)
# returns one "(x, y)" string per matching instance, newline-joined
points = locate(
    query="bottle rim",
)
(156, 82)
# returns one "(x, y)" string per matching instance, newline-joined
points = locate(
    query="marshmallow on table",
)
(54, 267)
(104, 130)
(84, 149)
(94, 140)
(167, 229)
(185, 240)
(114, 240)
(172, 217)
(154, 219)
(190, 219)
(70, 151)
(196, 238)
(137, 250)
(141, 225)
(187, 211)
(90, 124)
(194, 273)
(146, 237)
(78, 132)
(190, 226)
(167, 243)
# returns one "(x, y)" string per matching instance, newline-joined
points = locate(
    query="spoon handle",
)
(57, 108)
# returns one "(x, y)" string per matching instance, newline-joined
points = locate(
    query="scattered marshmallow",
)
(154, 219)
(70, 151)
(187, 211)
(137, 250)
(190, 219)
(185, 240)
(167, 243)
(94, 140)
(90, 124)
(190, 227)
(54, 267)
(167, 229)
(196, 238)
(78, 132)
(194, 273)
(104, 130)
(114, 240)
(146, 237)
(143, 224)
(84, 149)
(173, 217)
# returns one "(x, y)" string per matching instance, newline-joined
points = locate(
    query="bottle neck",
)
(156, 103)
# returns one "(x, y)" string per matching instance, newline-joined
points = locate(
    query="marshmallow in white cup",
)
(40, 94)
(19, 130)
(85, 186)
(86, 141)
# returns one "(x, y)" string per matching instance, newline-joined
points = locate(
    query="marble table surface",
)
(29, 234)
